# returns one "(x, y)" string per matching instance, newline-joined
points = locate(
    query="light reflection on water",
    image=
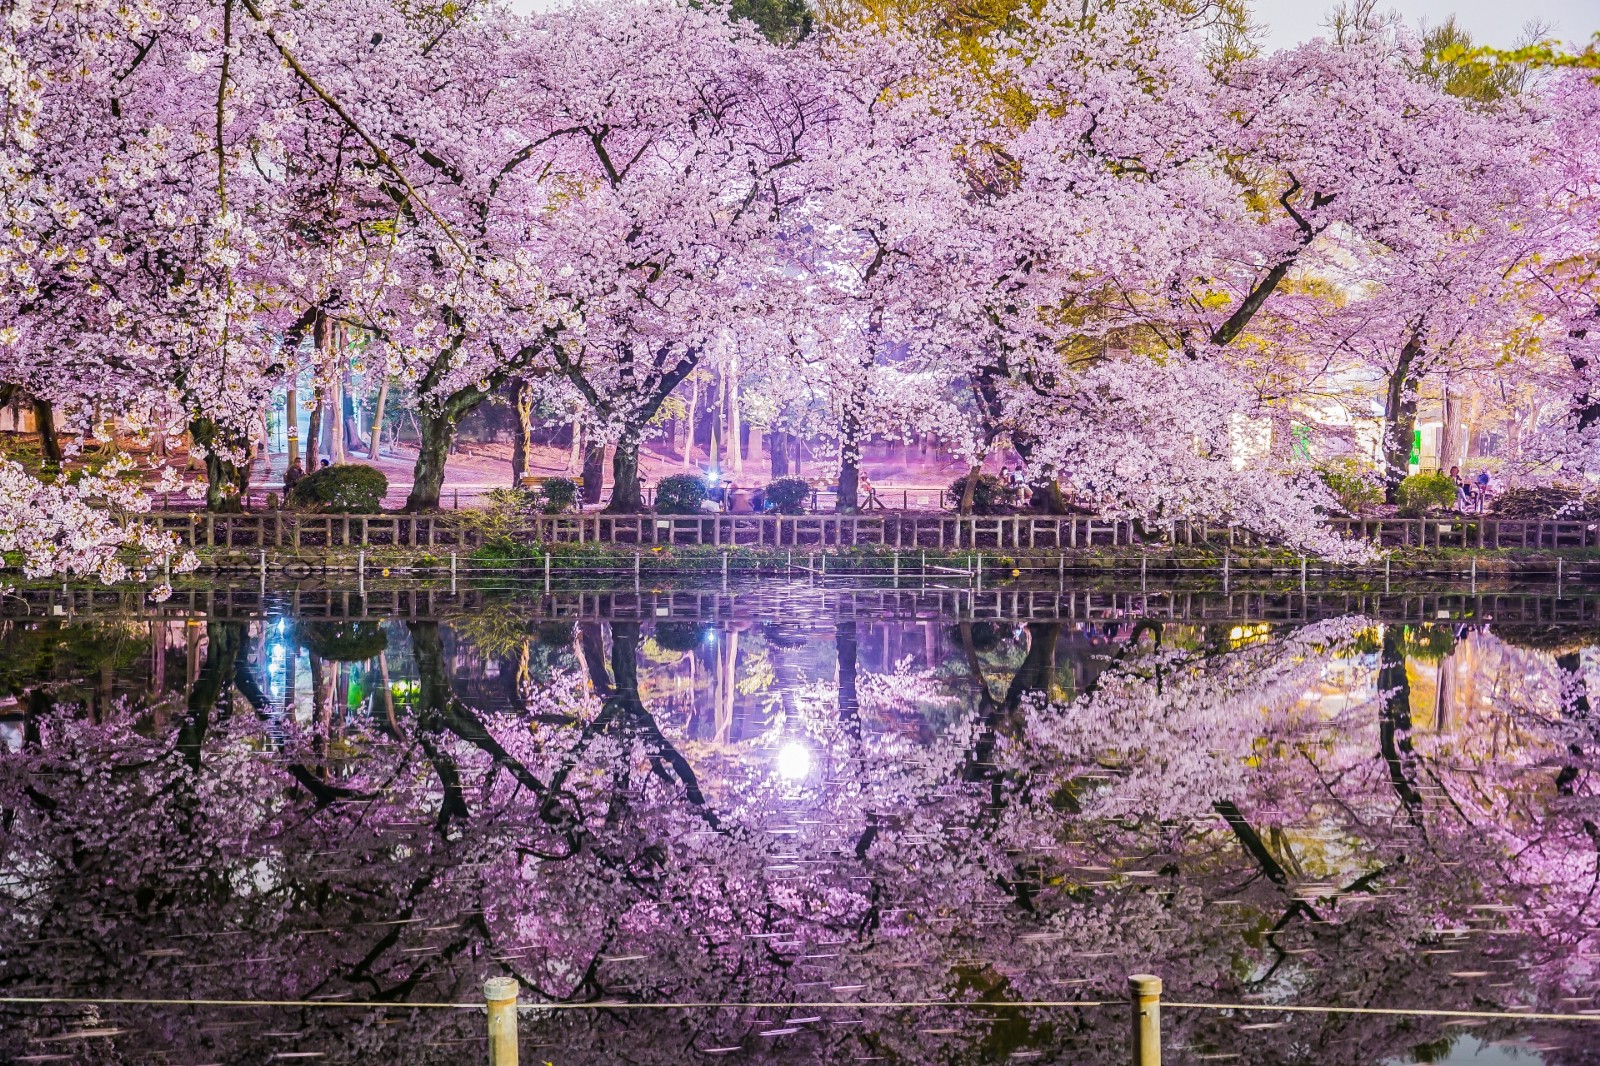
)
(796, 796)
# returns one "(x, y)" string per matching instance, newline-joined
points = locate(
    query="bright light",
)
(794, 761)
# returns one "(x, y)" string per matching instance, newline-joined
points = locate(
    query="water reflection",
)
(794, 807)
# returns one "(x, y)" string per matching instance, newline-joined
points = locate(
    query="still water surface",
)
(816, 802)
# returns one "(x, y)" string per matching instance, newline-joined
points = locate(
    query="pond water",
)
(798, 822)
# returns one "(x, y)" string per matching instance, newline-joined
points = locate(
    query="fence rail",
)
(288, 530)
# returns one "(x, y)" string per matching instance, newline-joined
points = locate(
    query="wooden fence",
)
(287, 530)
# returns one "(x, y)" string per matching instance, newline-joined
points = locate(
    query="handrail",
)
(889, 529)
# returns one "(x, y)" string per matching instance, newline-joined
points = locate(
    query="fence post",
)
(1145, 993)
(501, 995)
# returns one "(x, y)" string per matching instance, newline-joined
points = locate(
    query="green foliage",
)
(988, 497)
(780, 21)
(348, 488)
(1355, 489)
(680, 494)
(558, 495)
(680, 636)
(511, 500)
(501, 525)
(1421, 493)
(1428, 643)
(788, 495)
(343, 642)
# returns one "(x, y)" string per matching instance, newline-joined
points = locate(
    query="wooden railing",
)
(288, 530)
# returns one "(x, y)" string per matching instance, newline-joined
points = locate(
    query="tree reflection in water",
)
(795, 811)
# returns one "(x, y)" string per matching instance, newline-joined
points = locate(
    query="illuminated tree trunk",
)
(735, 445)
(375, 449)
(688, 435)
(522, 446)
(1452, 443)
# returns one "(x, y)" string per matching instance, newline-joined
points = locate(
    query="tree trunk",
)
(1451, 438)
(225, 482)
(522, 446)
(433, 448)
(970, 489)
(375, 451)
(688, 432)
(625, 495)
(1394, 722)
(44, 418)
(313, 431)
(1400, 419)
(575, 453)
(735, 443)
(844, 645)
(715, 415)
(594, 471)
(336, 423)
(291, 423)
(778, 453)
(848, 501)
(1044, 492)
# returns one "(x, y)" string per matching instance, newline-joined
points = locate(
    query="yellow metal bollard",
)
(1145, 991)
(501, 994)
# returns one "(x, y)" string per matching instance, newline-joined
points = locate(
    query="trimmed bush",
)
(1421, 493)
(348, 488)
(788, 495)
(990, 496)
(1355, 490)
(558, 495)
(680, 494)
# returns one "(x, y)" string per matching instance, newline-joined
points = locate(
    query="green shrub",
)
(1355, 489)
(788, 495)
(348, 488)
(1421, 493)
(343, 642)
(511, 500)
(558, 495)
(989, 496)
(680, 494)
